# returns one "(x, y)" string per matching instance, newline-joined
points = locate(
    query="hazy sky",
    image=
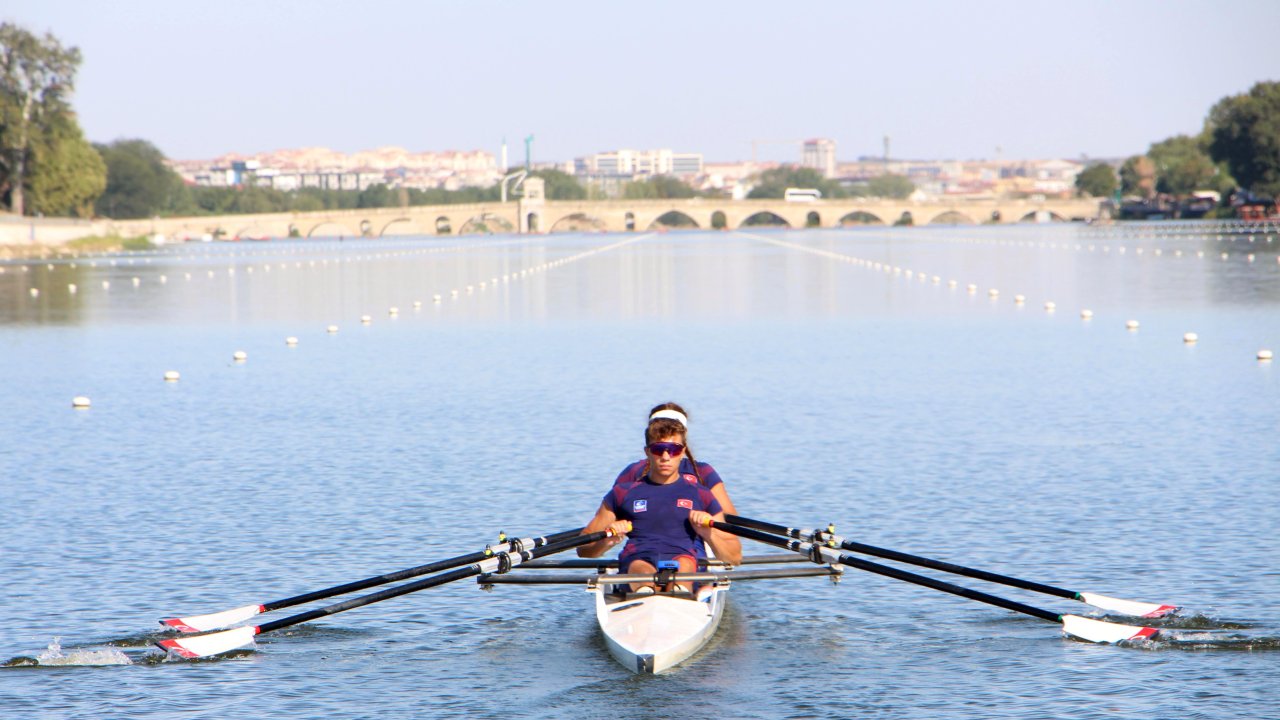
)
(943, 79)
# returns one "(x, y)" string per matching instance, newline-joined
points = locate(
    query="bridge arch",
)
(486, 224)
(629, 221)
(673, 219)
(1042, 216)
(765, 218)
(812, 219)
(331, 228)
(952, 217)
(578, 222)
(860, 217)
(443, 227)
(397, 226)
(718, 220)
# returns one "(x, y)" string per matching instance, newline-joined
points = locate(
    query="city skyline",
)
(728, 80)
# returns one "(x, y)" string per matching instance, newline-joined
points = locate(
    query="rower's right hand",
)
(618, 530)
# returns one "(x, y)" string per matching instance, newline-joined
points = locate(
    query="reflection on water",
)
(499, 383)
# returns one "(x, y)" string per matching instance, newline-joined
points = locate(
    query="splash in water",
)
(54, 655)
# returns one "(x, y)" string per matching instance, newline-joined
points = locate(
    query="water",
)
(916, 415)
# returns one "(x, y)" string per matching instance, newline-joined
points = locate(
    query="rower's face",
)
(666, 462)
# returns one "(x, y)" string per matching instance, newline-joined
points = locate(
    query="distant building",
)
(637, 164)
(820, 154)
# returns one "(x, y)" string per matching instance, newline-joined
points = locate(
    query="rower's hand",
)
(701, 521)
(618, 530)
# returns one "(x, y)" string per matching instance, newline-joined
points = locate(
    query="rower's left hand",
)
(700, 520)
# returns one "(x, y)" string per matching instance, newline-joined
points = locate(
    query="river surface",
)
(849, 376)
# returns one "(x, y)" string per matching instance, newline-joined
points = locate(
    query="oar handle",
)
(819, 535)
(830, 555)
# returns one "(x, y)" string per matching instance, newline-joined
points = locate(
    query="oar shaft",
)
(402, 574)
(907, 558)
(830, 555)
(496, 563)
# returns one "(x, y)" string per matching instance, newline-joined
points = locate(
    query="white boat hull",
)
(653, 633)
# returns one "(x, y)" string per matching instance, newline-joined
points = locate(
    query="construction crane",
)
(755, 145)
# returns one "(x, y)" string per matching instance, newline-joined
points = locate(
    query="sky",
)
(943, 80)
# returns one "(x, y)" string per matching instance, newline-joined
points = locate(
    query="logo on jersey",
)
(685, 503)
(690, 478)
(640, 506)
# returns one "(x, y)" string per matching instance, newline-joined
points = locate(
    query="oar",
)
(198, 646)
(1116, 605)
(213, 621)
(1081, 627)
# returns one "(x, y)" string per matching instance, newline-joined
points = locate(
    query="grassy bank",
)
(79, 246)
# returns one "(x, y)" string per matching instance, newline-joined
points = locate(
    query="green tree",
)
(1182, 165)
(658, 187)
(1244, 132)
(890, 186)
(561, 185)
(1097, 180)
(65, 174)
(1138, 176)
(773, 183)
(36, 77)
(139, 183)
(377, 196)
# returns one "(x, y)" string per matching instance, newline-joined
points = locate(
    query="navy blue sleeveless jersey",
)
(659, 516)
(706, 474)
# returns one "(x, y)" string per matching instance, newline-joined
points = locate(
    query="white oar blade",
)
(199, 646)
(1104, 632)
(1128, 607)
(213, 621)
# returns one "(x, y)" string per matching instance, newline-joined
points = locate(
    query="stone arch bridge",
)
(606, 215)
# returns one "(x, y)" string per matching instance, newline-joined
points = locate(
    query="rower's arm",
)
(726, 546)
(603, 519)
(722, 495)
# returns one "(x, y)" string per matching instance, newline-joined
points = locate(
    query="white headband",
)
(671, 415)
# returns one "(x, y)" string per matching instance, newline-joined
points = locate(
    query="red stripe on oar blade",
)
(1104, 632)
(198, 646)
(174, 646)
(1161, 611)
(213, 621)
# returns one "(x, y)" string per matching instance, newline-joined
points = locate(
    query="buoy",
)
(951, 284)
(417, 304)
(365, 319)
(137, 281)
(331, 329)
(1050, 306)
(71, 288)
(1019, 299)
(35, 292)
(971, 288)
(106, 284)
(164, 279)
(291, 341)
(393, 311)
(993, 292)
(171, 376)
(1086, 314)
(80, 402)
(1264, 355)
(435, 298)
(239, 356)
(1131, 325)
(1190, 338)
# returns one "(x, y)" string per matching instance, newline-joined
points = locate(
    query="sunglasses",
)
(671, 448)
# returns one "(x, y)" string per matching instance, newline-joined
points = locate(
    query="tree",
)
(139, 183)
(773, 183)
(1182, 165)
(1244, 132)
(1097, 180)
(657, 187)
(890, 186)
(36, 77)
(1138, 176)
(560, 185)
(65, 174)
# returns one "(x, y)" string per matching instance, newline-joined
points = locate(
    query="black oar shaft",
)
(437, 566)
(448, 577)
(911, 559)
(860, 564)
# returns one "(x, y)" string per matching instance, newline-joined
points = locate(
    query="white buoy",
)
(35, 292)
(240, 356)
(1019, 299)
(1249, 257)
(291, 341)
(971, 288)
(80, 402)
(331, 329)
(952, 284)
(393, 311)
(1131, 324)
(417, 304)
(71, 288)
(106, 284)
(435, 298)
(171, 376)
(993, 293)
(1264, 355)
(1050, 306)
(1190, 338)
(1086, 314)
(365, 319)
(137, 281)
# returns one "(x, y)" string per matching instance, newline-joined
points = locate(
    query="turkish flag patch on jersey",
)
(685, 503)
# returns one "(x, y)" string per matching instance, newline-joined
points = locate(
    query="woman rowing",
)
(664, 512)
(702, 472)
